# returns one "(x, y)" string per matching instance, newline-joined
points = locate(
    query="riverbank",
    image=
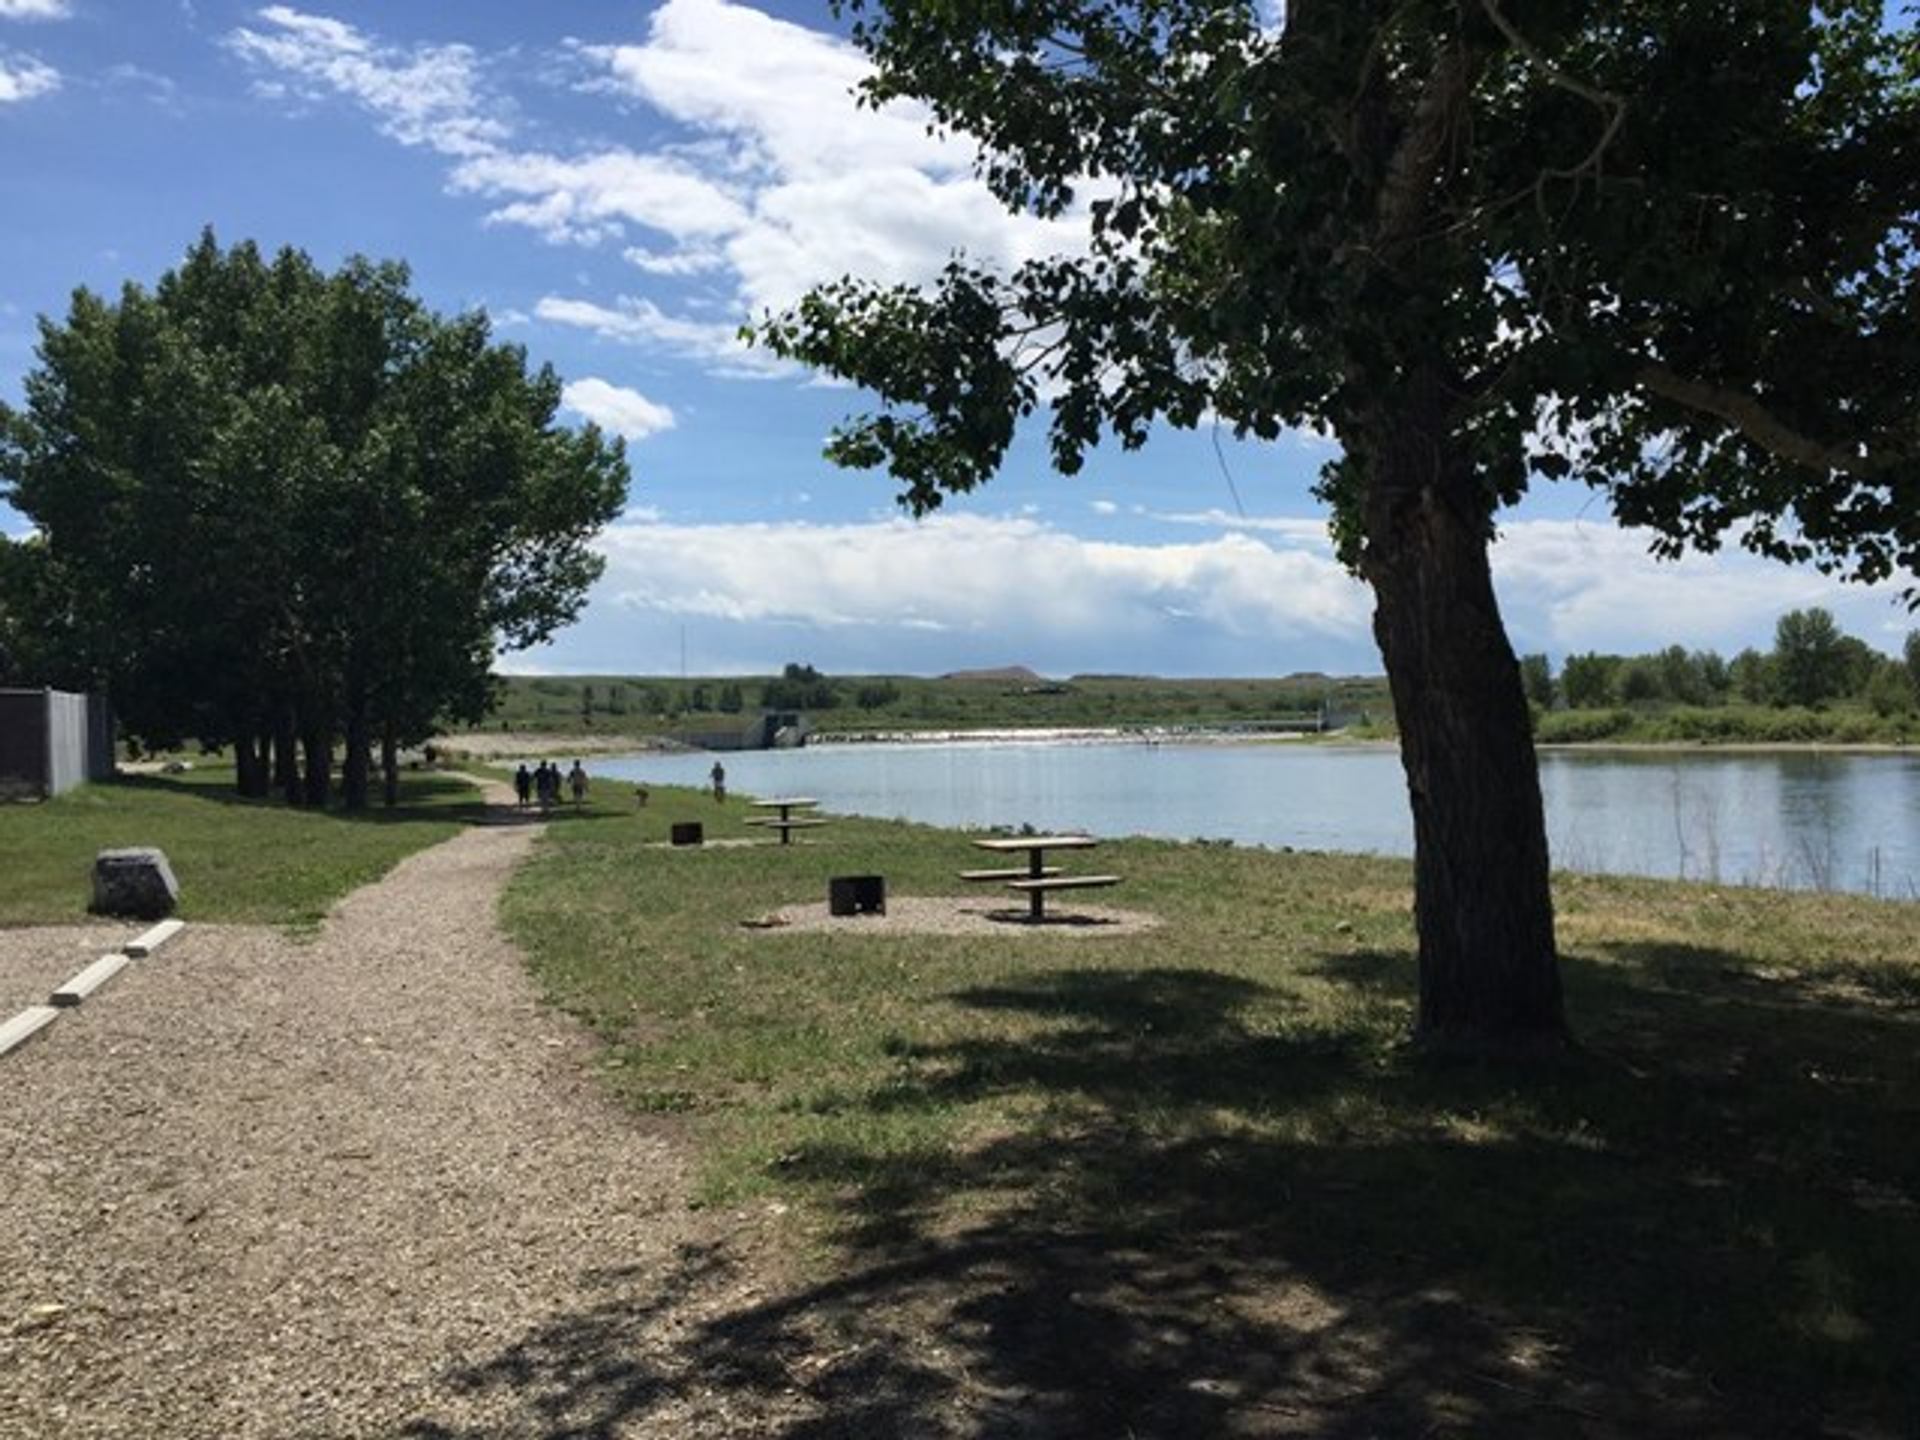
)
(1186, 1179)
(492, 747)
(489, 747)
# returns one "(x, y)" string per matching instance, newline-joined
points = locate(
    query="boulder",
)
(136, 882)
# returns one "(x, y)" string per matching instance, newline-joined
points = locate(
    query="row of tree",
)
(728, 699)
(283, 510)
(1812, 663)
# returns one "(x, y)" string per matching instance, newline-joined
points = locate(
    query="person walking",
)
(577, 783)
(523, 785)
(719, 776)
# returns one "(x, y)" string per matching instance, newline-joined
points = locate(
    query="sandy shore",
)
(514, 745)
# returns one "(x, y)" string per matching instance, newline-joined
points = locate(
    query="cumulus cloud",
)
(1303, 530)
(422, 95)
(637, 321)
(975, 574)
(24, 78)
(1575, 585)
(593, 198)
(35, 9)
(626, 413)
(771, 178)
(1569, 585)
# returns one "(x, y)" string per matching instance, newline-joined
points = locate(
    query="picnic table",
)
(786, 822)
(1038, 879)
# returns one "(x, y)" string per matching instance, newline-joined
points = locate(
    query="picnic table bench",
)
(786, 822)
(1039, 879)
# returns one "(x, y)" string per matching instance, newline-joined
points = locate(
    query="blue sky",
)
(619, 185)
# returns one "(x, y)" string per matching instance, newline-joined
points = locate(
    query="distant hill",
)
(1005, 675)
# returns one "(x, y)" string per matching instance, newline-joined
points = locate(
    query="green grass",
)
(1182, 1180)
(236, 860)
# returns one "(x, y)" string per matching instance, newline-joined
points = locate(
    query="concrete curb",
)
(144, 945)
(35, 1018)
(24, 1026)
(89, 980)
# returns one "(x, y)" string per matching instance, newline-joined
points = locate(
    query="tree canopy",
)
(1661, 246)
(280, 505)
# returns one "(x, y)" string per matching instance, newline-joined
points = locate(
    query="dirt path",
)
(261, 1188)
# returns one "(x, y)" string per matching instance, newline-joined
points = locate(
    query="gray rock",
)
(136, 882)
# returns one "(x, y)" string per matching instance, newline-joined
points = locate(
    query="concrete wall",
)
(66, 741)
(51, 740)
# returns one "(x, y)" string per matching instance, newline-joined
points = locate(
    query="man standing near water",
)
(719, 774)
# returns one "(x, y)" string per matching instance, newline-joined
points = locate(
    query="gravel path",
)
(268, 1189)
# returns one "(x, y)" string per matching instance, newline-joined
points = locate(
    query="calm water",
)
(1848, 822)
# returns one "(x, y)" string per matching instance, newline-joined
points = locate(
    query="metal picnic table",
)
(786, 822)
(1039, 878)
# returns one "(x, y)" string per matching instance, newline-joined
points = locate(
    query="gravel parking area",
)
(261, 1188)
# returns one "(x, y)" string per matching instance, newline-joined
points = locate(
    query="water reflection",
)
(1799, 819)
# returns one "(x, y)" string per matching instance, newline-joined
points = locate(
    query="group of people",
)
(542, 786)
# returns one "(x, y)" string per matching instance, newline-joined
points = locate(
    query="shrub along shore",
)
(1204, 1146)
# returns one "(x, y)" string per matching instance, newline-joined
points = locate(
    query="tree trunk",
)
(390, 765)
(359, 757)
(318, 745)
(286, 763)
(261, 744)
(249, 770)
(1489, 977)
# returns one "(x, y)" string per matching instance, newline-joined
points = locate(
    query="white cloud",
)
(772, 178)
(591, 199)
(1103, 507)
(975, 574)
(1303, 530)
(675, 262)
(624, 412)
(1569, 585)
(831, 187)
(1572, 585)
(24, 78)
(425, 95)
(35, 9)
(633, 321)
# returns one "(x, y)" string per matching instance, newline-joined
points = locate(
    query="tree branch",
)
(1760, 425)
(1614, 105)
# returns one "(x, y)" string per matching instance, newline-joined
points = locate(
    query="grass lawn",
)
(236, 860)
(1188, 1183)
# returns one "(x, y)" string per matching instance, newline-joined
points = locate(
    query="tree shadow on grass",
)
(1219, 1222)
(429, 797)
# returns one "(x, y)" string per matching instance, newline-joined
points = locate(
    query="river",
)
(1799, 820)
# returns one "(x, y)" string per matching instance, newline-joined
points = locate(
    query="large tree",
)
(280, 508)
(1664, 246)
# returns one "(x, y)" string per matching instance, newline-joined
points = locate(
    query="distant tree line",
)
(1813, 663)
(282, 510)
